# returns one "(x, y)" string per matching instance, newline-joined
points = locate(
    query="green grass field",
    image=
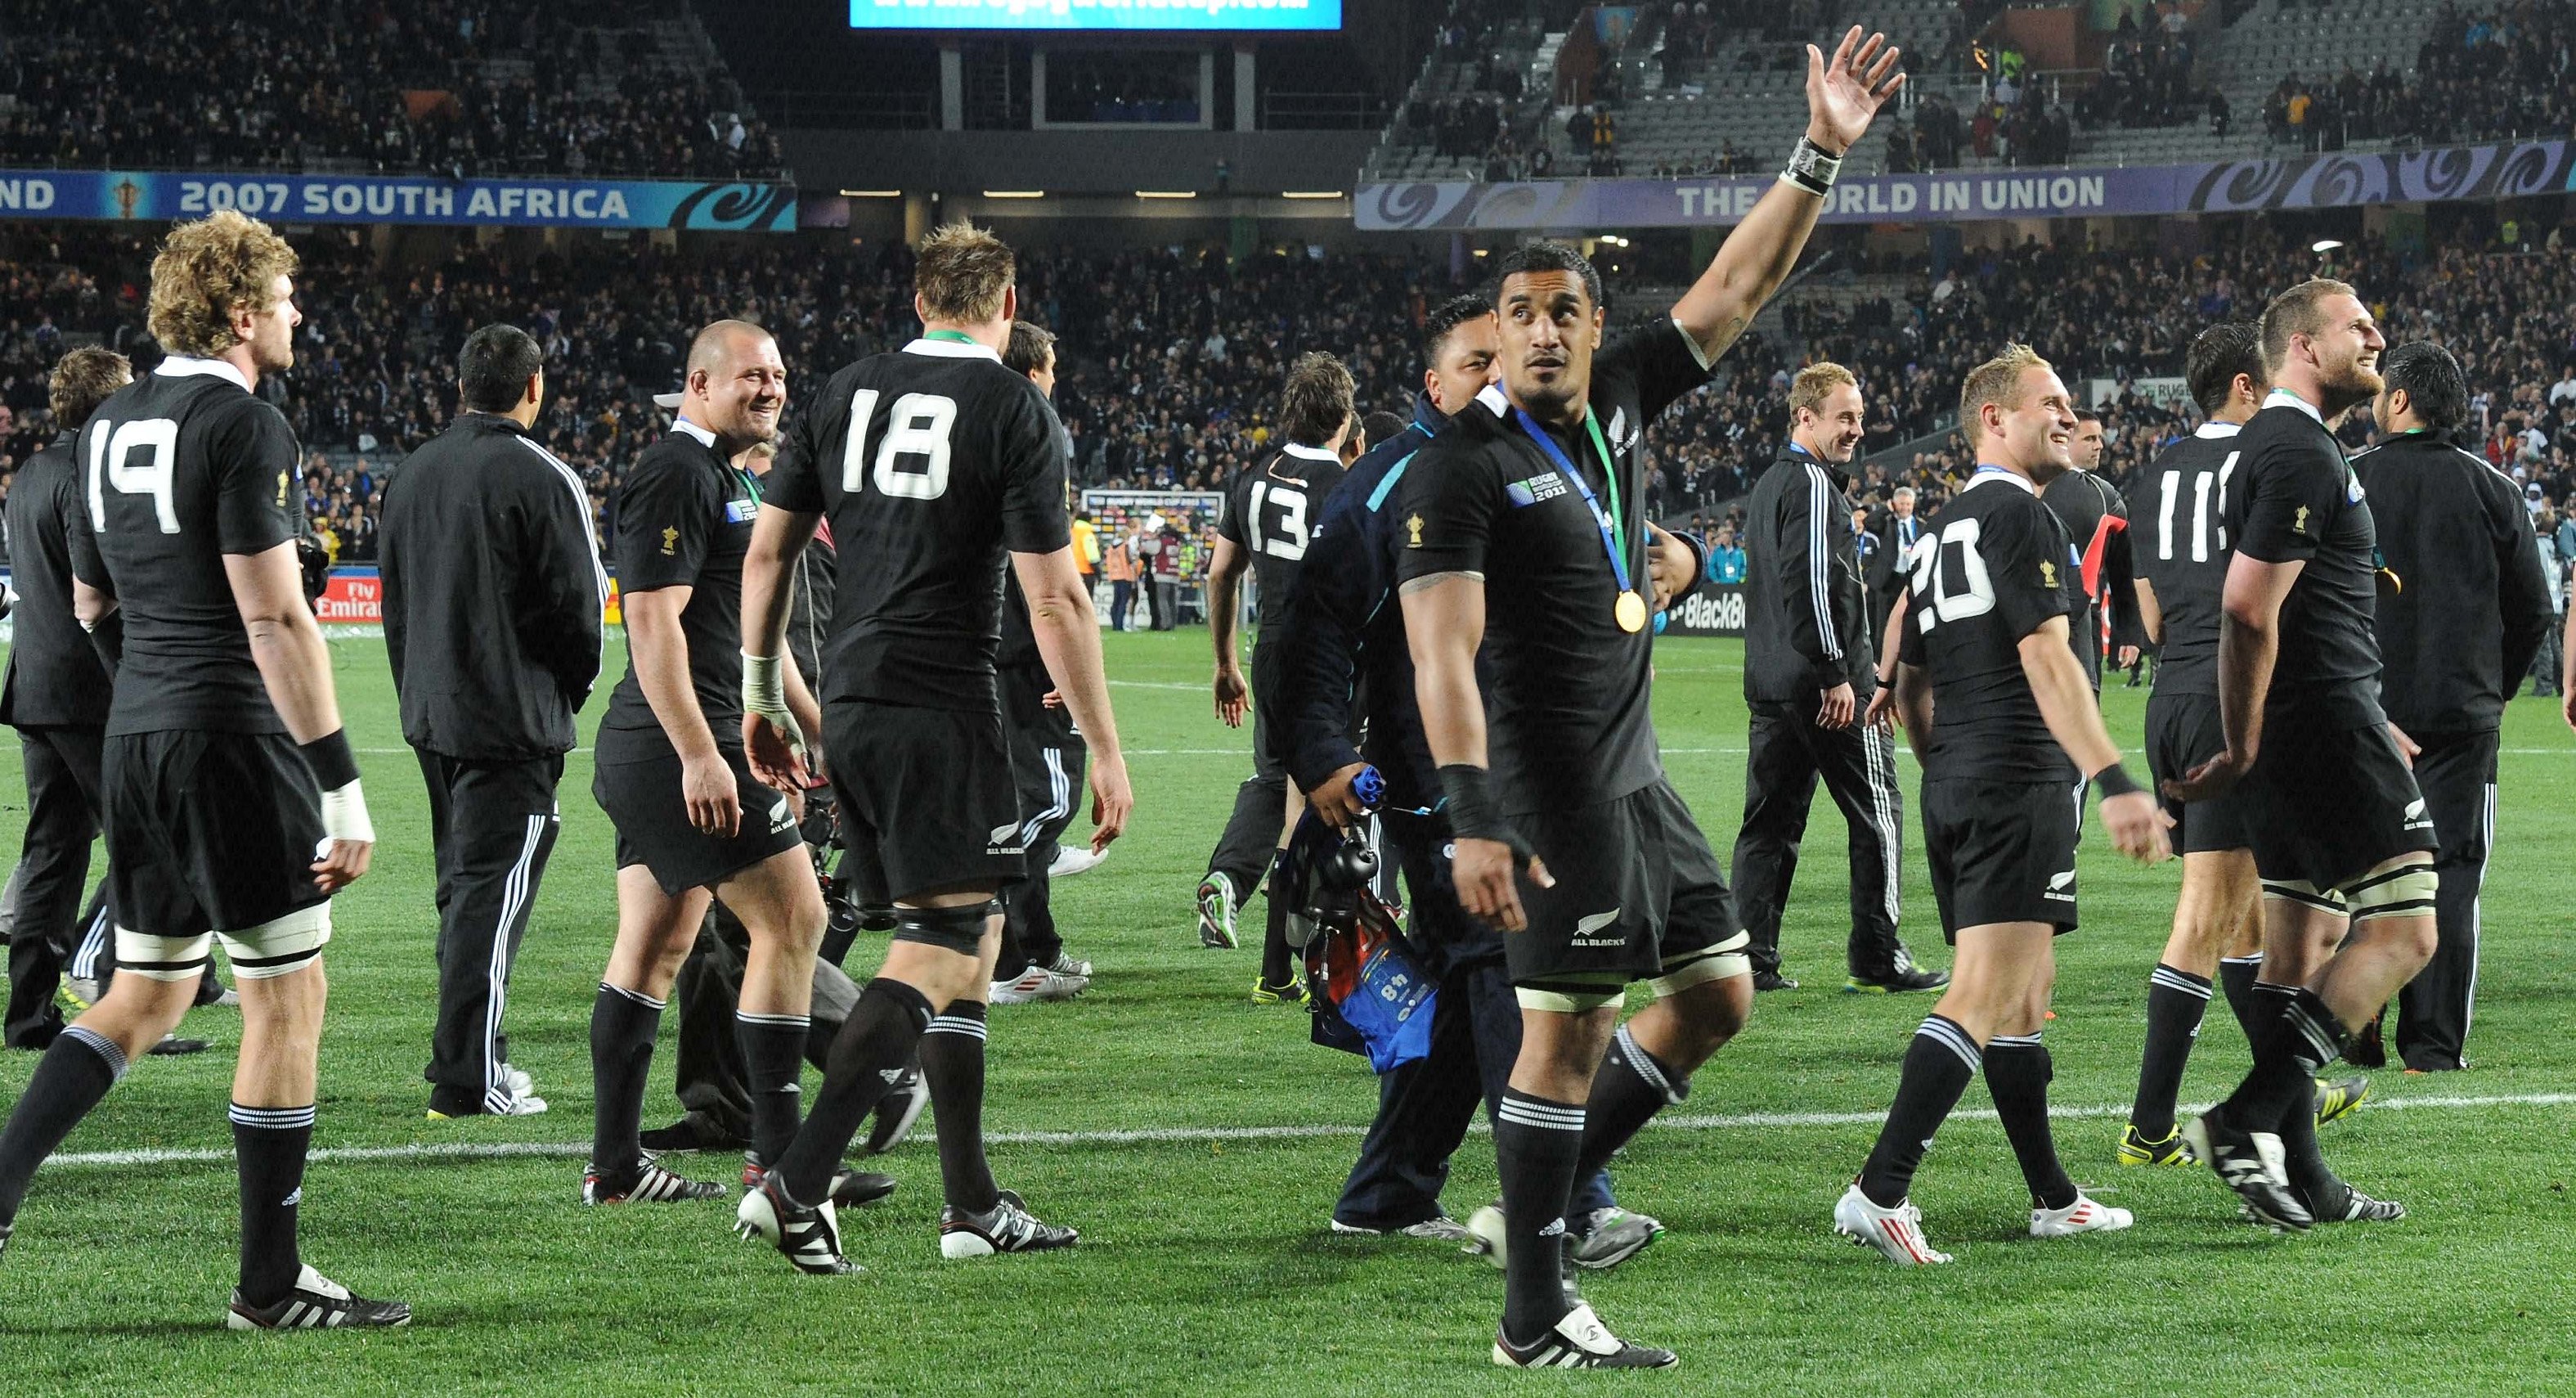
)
(1206, 1266)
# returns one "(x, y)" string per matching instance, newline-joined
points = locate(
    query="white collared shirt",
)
(705, 437)
(952, 349)
(180, 366)
(1987, 473)
(2282, 397)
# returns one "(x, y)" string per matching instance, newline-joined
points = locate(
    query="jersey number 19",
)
(111, 462)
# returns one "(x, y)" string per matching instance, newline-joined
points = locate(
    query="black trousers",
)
(1047, 759)
(1858, 764)
(1245, 852)
(62, 767)
(2457, 774)
(712, 1082)
(493, 825)
(1425, 1107)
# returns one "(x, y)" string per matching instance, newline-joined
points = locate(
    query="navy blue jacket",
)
(1344, 634)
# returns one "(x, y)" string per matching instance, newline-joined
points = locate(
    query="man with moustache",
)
(2457, 637)
(2340, 832)
(1808, 675)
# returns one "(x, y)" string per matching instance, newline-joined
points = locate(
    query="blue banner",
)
(162, 196)
(1217, 16)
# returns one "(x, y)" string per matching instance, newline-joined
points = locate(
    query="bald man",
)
(693, 824)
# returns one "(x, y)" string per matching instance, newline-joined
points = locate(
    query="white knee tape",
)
(2403, 891)
(162, 958)
(280, 946)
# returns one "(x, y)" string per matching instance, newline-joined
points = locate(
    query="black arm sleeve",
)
(1804, 574)
(1328, 606)
(564, 589)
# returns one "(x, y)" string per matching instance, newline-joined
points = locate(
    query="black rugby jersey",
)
(1271, 509)
(932, 462)
(182, 467)
(2180, 544)
(683, 519)
(2097, 524)
(1992, 567)
(1567, 702)
(55, 674)
(2295, 500)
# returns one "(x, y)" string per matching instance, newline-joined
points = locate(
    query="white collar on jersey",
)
(2282, 397)
(1989, 473)
(705, 438)
(2213, 431)
(951, 349)
(180, 366)
(1311, 453)
(1491, 395)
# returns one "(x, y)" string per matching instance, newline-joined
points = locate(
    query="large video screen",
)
(1130, 15)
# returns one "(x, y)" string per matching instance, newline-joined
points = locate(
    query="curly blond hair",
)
(205, 272)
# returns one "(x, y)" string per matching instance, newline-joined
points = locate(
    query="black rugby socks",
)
(75, 1073)
(773, 1062)
(1938, 1066)
(1536, 1142)
(1630, 1087)
(622, 1025)
(270, 1145)
(952, 1063)
(2017, 1074)
(2176, 1001)
(875, 1046)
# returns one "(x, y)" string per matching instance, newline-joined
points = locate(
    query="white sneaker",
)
(1897, 1233)
(1440, 1229)
(1485, 1235)
(2082, 1216)
(523, 1104)
(519, 1083)
(1038, 983)
(1580, 1341)
(1075, 859)
(1064, 965)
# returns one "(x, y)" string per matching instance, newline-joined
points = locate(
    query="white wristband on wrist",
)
(344, 815)
(764, 684)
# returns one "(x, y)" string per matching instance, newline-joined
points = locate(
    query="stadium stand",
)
(1691, 92)
(571, 87)
(1171, 361)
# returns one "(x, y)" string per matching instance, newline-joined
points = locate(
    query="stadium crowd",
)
(1172, 362)
(455, 87)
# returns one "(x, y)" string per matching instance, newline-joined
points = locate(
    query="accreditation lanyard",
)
(954, 337)
(1611, 525)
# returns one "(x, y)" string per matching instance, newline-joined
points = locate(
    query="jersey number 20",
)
(917, 428)
(111, 462)
(1953, 596)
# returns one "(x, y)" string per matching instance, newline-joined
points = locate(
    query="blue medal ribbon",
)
(1610, 530)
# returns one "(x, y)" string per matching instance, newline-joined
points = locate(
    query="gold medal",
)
(1631, 611)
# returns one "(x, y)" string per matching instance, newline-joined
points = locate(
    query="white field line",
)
(1164, 1135)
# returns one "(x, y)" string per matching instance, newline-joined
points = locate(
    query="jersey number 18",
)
(916, 428)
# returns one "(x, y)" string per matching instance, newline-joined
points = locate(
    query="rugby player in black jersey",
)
(1522, 536)
(2179, 542)
(692, 821)
(938, 467)
(1996, 703)
(1271, 508)
(229, 792)
(2339, 831)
